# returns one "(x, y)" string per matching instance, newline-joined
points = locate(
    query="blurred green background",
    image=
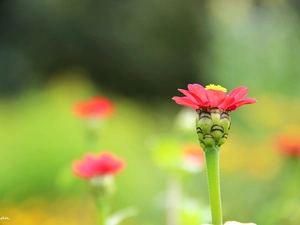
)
(54, 53)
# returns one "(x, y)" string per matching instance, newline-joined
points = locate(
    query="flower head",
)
(98, 165)
(95, 107)
(213, 106)
(213, 96)
(288, 145)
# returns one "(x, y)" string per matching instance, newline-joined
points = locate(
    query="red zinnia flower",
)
(288, 145)
(193, 155)
(95, 107)
(213, 96)
(98, 165)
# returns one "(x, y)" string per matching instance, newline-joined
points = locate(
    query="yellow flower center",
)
(215, 87)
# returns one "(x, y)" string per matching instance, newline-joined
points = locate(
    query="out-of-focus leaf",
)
(118, 217)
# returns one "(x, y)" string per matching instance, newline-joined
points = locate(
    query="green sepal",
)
(212, 127)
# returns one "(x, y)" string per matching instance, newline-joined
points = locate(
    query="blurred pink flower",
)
(93, 165)
(95, 107)
(213, 96)
(288, 145)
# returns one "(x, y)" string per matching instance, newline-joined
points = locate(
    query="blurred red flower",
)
(213, 96)
(95, 107)
(93, 165)
(193, 155)
(288, 145)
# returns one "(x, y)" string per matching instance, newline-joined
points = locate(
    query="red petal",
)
(80, 170)
(227, 102)
(242, 102)
(95, 107)
(215, 97)
(185, 101)
(246, 101)
(199, 91)
(117, 166)
(191, 96)
(97, 165)
(101, 106)
(239, 93)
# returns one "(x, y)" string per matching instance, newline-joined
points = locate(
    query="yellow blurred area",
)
(43, 212)
(255, 153)
(259, 161)
(264, 162)
(278, 112)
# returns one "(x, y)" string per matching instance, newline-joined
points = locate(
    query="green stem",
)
(103, 210)
(91, 135)
(213, 175)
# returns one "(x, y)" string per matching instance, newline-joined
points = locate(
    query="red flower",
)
(212, 96)
(98, 165)
(95, 107)
(288, 145)
(193, 155)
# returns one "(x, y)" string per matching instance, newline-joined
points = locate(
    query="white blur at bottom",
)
(234, 223)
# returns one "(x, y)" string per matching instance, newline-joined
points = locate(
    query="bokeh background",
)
(54, 53)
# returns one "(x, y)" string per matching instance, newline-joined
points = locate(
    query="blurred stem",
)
(93, 125)
(213, 175)
(91, 138)
(103, 210)
(173, 199)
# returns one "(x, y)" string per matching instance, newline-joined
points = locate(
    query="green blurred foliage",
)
(38, 150)
(41, 136)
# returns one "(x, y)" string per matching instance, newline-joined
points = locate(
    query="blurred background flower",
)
(193, 158)
(96, 107)
(104, 164)
(137, 53)
(288, 145)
